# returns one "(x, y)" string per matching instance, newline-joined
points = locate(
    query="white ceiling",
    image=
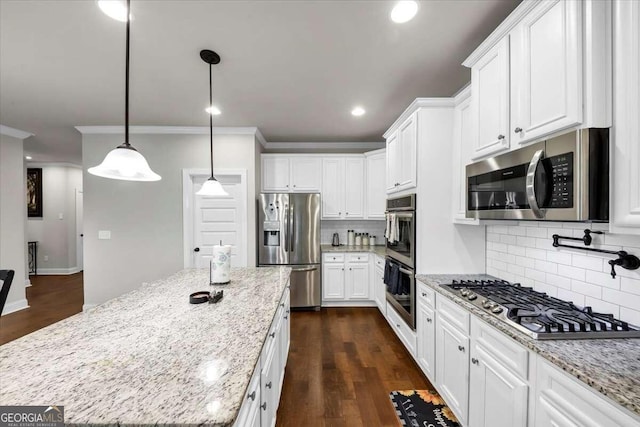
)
(295, 69)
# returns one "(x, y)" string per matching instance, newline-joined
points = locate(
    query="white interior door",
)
(220, 219)
(79, 232)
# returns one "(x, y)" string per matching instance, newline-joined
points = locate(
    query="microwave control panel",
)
(561, 168)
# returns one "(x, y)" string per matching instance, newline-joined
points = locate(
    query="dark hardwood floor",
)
(51, 299)
(342, 365)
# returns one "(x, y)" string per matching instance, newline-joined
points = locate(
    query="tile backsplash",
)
(524, 253)
(374, 228)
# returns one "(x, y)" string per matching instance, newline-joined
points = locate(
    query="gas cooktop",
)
(537, 314)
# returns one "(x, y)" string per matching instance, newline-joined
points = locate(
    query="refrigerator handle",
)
(286, 227)
(291, 220)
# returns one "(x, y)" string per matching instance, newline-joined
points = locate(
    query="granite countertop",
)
(377, 249)
(150, 357)
(610, 366)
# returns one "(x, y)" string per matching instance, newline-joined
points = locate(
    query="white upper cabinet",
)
(402, 151)
(625, 137)
(343, 187)
(353, 184)
(376, 197)
(463, 138)
(490, 88)
(275, 173)
(287, 173)
(546, 70)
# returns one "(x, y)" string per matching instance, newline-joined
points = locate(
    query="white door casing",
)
(79, 232)
(207, 220)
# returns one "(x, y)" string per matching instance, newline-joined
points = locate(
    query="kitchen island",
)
(149, 356)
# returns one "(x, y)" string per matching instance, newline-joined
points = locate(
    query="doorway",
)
(79, 232)
(208, 221)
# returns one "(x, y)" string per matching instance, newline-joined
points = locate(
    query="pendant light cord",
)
(126, 85)
(211, 118)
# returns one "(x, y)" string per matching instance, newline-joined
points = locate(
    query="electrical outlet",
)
(46, 258)
(104, 235)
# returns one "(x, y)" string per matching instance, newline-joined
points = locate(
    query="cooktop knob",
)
(472, 296)
(496, 310)
(486, 303)
(464, 292)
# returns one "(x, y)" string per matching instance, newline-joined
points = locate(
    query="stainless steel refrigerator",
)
(289, 234)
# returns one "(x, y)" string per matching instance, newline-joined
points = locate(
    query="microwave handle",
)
(531, 184)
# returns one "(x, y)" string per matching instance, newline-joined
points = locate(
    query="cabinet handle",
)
(264, 406)
(397, 325)
(343, 269)
(288, 311)
(273, 335)
(429, 320)
(252, 396)
(286, 317)
(475, 361)
(424, 294)
(500, 137)
(269, 384)
(294, 186)
(347, 213)
(349, 268)
(339, 213)
(281, 304)
(517, 130)
(461, 348)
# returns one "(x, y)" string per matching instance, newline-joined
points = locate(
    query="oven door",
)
(403, 250)
(401, 290)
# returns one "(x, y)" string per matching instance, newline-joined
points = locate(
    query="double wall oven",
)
(401, 256)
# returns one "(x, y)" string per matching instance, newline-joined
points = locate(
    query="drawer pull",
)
(500, 137)
(475, 361)
(398, 325)
(281, 304)
(286, 317)
(517, 130)
(264, 406)
(424, 294)
(461, 348)
(269, 384)
(272, 334)
(252, 396)
(429, 320)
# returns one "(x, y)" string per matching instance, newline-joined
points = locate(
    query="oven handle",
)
(404, 214)
(410, 273)
(531, 184)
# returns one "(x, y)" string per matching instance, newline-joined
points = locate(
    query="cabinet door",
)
(546, 70)
(285, 334)
(267, 405)
(333, 281)
(332, 188)
(306, 174)
(490, 100)
(376, 181)
(275, 173)
(626, 126)
(498, 397)
(353, 183)
(452, 369)
(393, 167)
(408, 153)
(358, 281)
(463, 140)
(379, 290)
(426, 331)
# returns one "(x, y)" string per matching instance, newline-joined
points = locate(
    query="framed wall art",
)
(34, 192)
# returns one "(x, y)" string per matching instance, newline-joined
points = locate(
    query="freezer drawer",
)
(305, 286)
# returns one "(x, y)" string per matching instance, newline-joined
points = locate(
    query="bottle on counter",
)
(358, 239)
(365, 239)
(351, 238)
(372, 241)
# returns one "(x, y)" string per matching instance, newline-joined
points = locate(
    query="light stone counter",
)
(379, 250)
(149, 356)
(610, 366)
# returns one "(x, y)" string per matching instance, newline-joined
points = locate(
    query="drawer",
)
(426, 294)
(454, 314)
(333, 257)
(358, 257)
(378, 261)
(402, 330)
(510, 354)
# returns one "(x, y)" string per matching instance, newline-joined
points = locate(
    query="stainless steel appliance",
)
(289, 234)
(565, 178)
(401, 257)
(537, 314)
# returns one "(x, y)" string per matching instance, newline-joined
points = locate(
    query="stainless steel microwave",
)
(565, 178)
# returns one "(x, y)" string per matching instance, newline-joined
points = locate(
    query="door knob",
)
(196, 250)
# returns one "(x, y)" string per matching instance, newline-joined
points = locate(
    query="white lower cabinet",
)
(426, 332)
(357, 276)
(402, 330)
(346, 277)
(333, 281)
(378, 286)
(249, 414)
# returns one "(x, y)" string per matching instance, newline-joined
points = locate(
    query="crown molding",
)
(31, 163)
(415, 106)
(463, 94)
(15, 133)
(501, 31)
(323, 145)
(171, 130)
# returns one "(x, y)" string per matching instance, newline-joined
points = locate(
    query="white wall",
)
(328, 227)
(56, 237)
(13, 211)
(523, 252)
(145, 219)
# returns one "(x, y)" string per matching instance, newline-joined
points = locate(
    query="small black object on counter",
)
(203, 296)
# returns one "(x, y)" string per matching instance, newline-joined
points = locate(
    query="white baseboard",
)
(58, 271)
(86, 307)
(15, 306)
(27, 283)
(349, 304)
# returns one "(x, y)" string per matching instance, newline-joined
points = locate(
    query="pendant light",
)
(125, 162)
(212, 186)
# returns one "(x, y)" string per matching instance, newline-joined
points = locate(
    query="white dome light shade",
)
(358, 111)
(116, 9)
(212, 187)
(125, 164)
(213, 110)
(404, 11)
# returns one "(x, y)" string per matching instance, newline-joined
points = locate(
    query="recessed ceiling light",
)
(358, 111)
(404, 11)
(28, 157)
(116, 9)
(213, 110)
